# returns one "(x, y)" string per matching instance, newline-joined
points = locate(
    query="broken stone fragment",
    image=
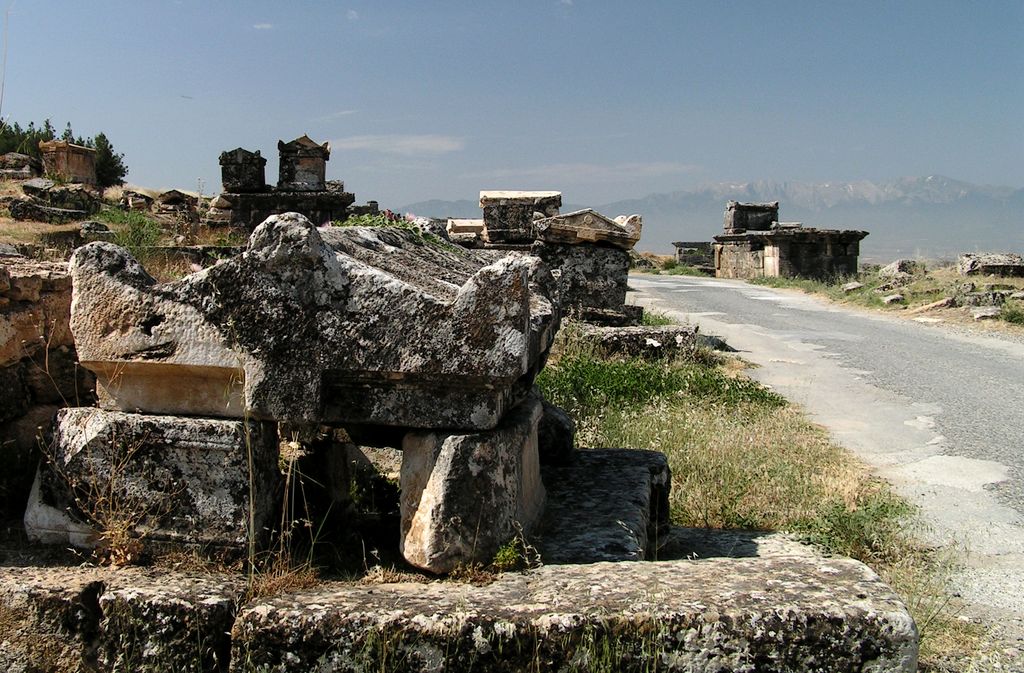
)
(465, 495)
(892, 299)
(589, 226)
(986, 312)
(162, 479)
(852, 286)
(995, 263)
(345, 325)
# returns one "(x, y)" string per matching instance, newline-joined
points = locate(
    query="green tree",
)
(110, 168)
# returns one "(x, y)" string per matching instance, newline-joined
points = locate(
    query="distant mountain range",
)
(930, 217)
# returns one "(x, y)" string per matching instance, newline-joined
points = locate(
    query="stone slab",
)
(100, 619)
(655, 341)
(167, 479)
(779, 614)
(346, 325)
(607, 505)
(589, 226)
(464, 496)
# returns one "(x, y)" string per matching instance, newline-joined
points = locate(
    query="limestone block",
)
(995, 263)
(343, 325)
(589, 276)
(465, 226)
(645, 341)
(777, 615)
(508, 215)
(589, 226)
(168, 479)
(104, 619)
(463, 495)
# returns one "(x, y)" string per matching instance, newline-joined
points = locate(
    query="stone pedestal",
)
(159, 479)
(465, 495)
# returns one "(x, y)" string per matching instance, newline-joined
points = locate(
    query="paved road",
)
(939, 412)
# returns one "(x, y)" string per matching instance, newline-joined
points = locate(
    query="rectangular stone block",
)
(508, 215)
(589, 276)
(605, 505)
(776, 615)
(160, 479)
(464, 496)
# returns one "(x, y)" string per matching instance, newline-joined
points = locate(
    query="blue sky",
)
(601, 100)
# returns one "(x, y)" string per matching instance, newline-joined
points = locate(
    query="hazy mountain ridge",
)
(933, 216)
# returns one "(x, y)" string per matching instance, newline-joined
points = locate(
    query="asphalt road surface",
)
(936, 410)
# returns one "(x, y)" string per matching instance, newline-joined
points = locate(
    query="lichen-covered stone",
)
(644, 341)
(994, 263)
(165, 479)
(84, 620)
(589, 227)
(606, 505)
(49, 619)
(783, 614)
(589, 277)
(341, 325)
(153, 621)
(463, 495)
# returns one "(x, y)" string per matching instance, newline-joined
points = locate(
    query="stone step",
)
(769, 614)
(607, 505)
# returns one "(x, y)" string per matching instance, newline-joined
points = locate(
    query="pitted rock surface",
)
(177, 480)
(463, 495)
(346, 325)
(606, 505)
(766, 615)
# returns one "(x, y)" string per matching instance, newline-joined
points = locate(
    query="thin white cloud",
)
(263, 26)
(352, 15)
(404, 145)
(590, 172)
(335, 115)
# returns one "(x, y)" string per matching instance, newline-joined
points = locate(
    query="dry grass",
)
(745, 461)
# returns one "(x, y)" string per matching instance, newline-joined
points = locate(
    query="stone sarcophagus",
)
(303, 164)
(337, 325)
(242, 171)
(508, 215)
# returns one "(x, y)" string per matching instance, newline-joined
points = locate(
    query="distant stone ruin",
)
(302, 187)
(698, 254)
(756, 245)
(587, 252)
(69, 162)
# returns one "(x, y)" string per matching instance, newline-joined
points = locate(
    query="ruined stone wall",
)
(694, 253)
(39, 372)
(822, 256)
(249, 210)
(739, 259)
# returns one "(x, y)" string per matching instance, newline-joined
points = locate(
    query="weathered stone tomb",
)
(587, 252)
(69, 162)
(349, 327)
(302, 187)
(755, 245)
